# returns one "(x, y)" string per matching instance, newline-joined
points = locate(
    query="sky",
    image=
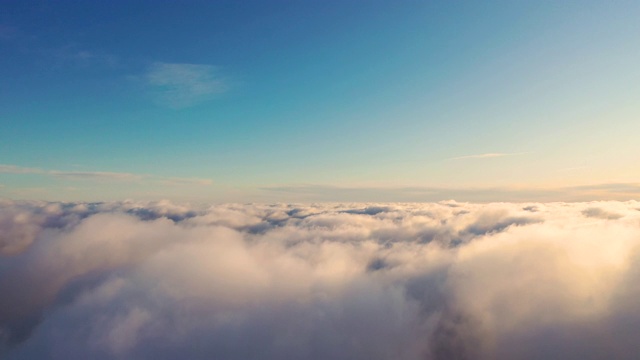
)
(320, 100)
(302, 179)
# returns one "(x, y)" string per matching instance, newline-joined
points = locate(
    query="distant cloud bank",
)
(444, 280)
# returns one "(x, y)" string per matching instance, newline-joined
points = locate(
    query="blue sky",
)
(319, 100)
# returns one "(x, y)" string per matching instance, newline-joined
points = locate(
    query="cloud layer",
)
(443, 280)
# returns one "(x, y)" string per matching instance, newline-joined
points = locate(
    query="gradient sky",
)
(320, 100)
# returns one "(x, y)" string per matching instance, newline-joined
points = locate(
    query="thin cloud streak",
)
(486, 156)
(102, 176)
(12, 169)
(310, 192)
(94, 175)
(187, 181)
(574, 168)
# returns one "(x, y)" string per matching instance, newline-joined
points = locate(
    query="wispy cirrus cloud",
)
(186, 181)
(183, 85)
(103, 176)
(95, 175)
(12, 169)
(486, 156)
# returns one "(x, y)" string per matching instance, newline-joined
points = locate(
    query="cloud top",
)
(442, 280)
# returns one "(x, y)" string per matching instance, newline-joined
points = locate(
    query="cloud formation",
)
(444, 280)
(183, 85)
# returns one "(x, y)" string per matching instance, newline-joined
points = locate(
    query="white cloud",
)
(343, 281)
(184, 85)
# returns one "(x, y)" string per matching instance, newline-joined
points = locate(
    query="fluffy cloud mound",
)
(445, 280)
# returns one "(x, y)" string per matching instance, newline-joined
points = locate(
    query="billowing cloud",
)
(184, 85)
(442, 280)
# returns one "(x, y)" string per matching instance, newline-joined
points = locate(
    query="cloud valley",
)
(443, 280)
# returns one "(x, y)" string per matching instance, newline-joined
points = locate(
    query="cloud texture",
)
(443, 280)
